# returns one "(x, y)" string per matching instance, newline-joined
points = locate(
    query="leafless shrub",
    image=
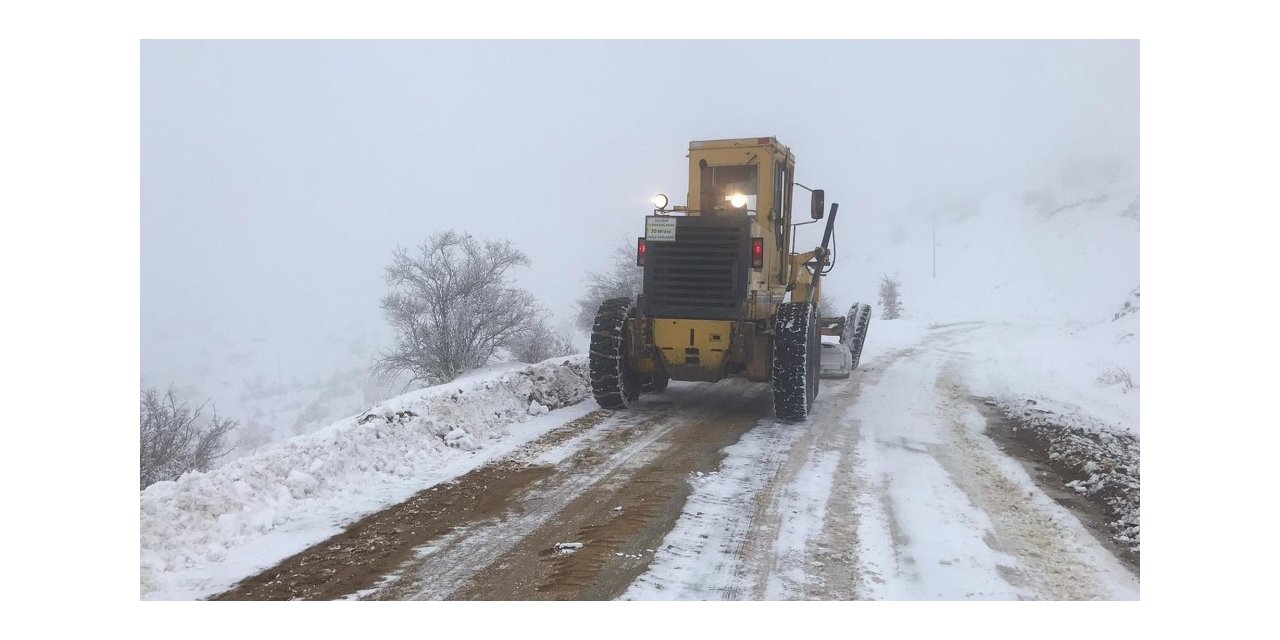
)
(253, 435)
(1118, 376)
(623, 280)
(542, 342)
(890, 299)
(451, 306)
(174, 440)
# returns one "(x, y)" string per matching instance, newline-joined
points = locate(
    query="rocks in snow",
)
(1103, 458)
(460, 439)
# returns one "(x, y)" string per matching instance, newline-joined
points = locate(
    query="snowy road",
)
(890, 490)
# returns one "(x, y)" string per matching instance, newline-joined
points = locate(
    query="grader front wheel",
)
(795, 360)
(855, 331)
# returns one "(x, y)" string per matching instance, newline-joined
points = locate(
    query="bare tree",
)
(542, 342)
(623, 280)
(173, 439)
(890, 300)
(451, 306)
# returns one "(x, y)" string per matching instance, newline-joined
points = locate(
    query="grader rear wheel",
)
(613, 383)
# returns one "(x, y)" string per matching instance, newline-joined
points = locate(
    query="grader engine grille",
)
(702, 273)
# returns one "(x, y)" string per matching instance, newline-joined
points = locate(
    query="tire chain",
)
(613, 386)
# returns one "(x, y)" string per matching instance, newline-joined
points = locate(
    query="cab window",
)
(720, 185)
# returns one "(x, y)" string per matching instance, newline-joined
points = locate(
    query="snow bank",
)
(1103, 460)
(354, 466)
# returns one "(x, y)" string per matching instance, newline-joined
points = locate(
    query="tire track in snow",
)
(834, 565)
(918, 535)
(699, 558)
(507, 553)
(468, 550)
(624, 517)
(791, 511)
(801, 513)
(774, 521)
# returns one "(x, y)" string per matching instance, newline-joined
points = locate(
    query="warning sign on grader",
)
(657, 229)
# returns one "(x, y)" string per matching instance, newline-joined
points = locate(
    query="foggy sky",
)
(277, 177)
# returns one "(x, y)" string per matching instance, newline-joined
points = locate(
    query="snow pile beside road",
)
(1102, 460)
(311, 482)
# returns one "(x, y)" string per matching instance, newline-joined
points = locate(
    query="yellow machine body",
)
(709, 348)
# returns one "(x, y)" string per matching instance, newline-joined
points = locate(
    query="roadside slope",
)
(205, 531)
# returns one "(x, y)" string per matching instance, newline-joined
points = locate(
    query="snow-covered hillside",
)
(1052, 269)
(1064, 253)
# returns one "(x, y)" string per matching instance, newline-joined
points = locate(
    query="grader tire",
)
(855, 331)
(613, 383)
(795, 360)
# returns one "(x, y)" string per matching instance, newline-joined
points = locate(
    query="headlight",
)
(738, 200)
(660, 202)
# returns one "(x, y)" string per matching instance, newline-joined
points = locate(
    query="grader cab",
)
(725, 292)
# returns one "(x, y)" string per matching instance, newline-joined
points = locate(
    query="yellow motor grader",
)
(725, 293)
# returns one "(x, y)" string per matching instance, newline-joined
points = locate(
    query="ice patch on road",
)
(562, 548)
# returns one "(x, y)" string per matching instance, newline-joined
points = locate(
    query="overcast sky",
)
(277, 177)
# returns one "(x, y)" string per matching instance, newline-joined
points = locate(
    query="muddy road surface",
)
(890, 490)
(612, 483)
